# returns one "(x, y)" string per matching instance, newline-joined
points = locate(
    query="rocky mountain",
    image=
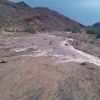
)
(55, 65)
(96, 25)
(20, 15)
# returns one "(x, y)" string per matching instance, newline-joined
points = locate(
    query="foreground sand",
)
(47, 67)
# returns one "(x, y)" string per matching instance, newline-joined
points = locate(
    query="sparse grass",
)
(73, 30)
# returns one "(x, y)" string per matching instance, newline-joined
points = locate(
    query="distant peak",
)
(96, 25)
(41, 8)
(22, 4)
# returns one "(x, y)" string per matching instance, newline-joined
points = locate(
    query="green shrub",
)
(73, 30)
(98, 35)
(30, 29)
(43, 29)
(95, 31)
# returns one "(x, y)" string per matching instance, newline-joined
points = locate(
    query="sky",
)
(87, 12)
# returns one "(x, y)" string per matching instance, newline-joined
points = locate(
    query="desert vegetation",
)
(95, 31)
(30, 29)
(73, 30)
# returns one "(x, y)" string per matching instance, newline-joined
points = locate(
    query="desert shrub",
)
(43, 29)
(98, 35)
(30, 29)
(95, 31)
(40, 28)
(8, 30)
(73, 30)
(92, 31)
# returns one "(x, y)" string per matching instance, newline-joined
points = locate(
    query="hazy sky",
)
(84, 11)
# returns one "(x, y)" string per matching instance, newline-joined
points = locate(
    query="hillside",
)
(22, 16)
(94, 29)
(96, 25)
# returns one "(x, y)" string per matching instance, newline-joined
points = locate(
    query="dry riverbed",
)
(47, 67)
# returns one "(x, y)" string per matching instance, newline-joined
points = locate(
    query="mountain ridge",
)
(96, 25)
(39, 18)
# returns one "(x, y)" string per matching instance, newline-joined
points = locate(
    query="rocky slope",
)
(20, 15)
(96, 25)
